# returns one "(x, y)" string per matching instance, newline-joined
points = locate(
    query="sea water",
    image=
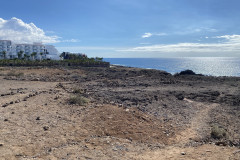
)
(214, 66)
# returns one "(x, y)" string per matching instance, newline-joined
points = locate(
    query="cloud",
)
(147, 35)
(71, 40)
(20, 32)
(145, 43)
(230, 38)
(194, 30)
(232, 44)
(160, 34)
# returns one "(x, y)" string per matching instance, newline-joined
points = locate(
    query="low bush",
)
(218, 132)
(78, 100)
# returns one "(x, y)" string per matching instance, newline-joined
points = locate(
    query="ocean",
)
(214, 66)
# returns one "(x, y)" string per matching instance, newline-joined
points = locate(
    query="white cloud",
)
(147, 35)
(160, 34)
(193, 30)
(71, 40)
(20, 32)
(144, 43)
(230, 38)
(232, 44)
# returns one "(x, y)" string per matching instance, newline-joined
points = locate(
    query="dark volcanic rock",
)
(180, 96)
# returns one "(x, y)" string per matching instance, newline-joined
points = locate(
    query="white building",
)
(28, 49)
(12, 50)
(6, 46)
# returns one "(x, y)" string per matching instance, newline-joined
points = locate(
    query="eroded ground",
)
(130, 114)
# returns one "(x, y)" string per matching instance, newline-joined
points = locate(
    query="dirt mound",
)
(128, 124)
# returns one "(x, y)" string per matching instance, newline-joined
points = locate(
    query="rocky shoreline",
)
(129, 113)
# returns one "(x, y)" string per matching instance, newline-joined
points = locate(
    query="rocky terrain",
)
(117, 113)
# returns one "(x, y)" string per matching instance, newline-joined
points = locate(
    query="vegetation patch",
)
(218, 132)
(90, 62)
(78, 100)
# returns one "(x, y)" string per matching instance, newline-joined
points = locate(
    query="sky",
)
(126, 28)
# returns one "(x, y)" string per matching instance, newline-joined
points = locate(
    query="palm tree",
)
(26, 57)
(4, 53)
(33, 55)
(20, 53)
(41, 55)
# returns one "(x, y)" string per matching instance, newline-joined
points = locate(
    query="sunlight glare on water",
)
(215, 66)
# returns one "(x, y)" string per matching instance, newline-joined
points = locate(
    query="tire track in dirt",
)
(198, 129)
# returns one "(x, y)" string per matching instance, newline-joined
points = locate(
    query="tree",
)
(41, 55)
(99, 59)
(4, 53)
(73, 56)
(62, 55)
(26, 57)
(20, 53)
(33, 55)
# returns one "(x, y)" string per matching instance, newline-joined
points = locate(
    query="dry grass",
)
(78, 100)
(218, 132)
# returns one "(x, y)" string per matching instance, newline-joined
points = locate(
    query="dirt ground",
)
(129, 114)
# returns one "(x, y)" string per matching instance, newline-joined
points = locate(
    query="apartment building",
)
(11, 50)
(28, 49)
(6, 46)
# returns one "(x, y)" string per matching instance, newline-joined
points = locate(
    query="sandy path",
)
(197, 129)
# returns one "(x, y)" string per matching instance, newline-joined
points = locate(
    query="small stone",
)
(38, 118)
(11, 102)
(45, 128)
(180, 96)
(5, 120)
(5, 105)
(183, 153)
(56, 97)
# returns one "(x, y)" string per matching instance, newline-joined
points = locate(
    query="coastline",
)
(128, 113)
(212, 66)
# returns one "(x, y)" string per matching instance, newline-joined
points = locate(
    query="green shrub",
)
(218, 132)
(79, 100)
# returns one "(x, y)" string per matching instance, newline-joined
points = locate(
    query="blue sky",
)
(127, 28)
